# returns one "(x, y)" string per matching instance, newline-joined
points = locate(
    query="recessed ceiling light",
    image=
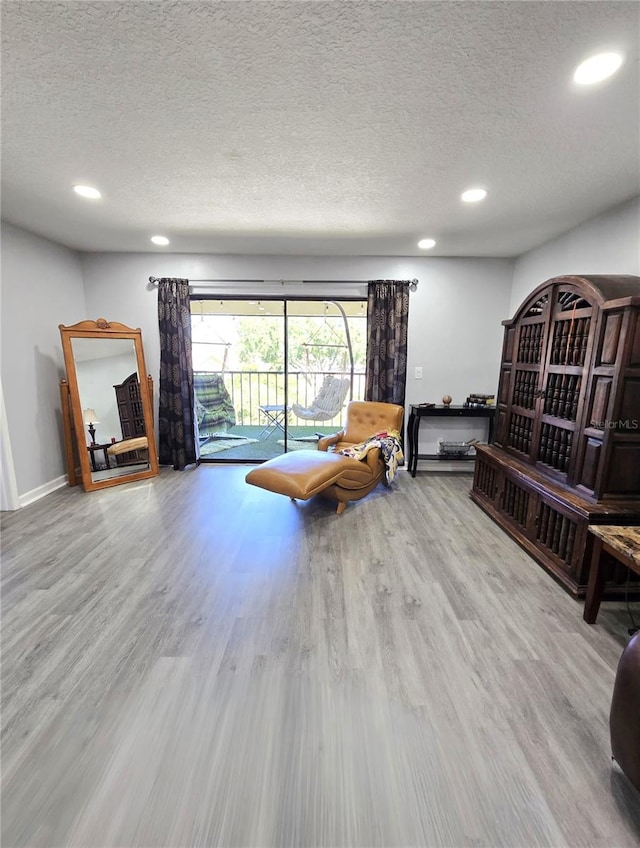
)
(87, 191)
(597, 68)
(426, 244)
(473, 195)
(163, 241)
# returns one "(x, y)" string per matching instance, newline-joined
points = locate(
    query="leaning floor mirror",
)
(107, 405)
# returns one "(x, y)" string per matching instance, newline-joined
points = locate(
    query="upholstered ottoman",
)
(305, 473)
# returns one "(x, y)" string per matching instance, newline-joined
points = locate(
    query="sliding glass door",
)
(275, 374)
(325, 366)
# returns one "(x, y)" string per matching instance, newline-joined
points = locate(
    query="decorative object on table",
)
(446, 400)
(476, 400)
(426, 405)
(90, 417)
(455, 449)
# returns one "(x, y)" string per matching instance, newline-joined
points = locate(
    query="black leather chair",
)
(624, 719)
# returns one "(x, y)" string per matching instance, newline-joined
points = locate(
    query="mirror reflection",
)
(107, 405)
(109, 390)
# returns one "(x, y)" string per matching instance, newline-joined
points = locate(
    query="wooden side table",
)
(622, 543)
(92, 453)
(275, 418)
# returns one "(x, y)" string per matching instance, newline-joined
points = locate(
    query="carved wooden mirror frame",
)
(72, 409)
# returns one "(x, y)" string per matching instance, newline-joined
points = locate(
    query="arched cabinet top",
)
(603, 291)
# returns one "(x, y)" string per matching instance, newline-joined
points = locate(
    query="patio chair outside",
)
(214, 408)
(329, 401)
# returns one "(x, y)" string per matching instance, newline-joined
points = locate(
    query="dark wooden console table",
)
(418, 412)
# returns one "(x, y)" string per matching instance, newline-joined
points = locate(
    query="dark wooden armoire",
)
(566, 451)
(131, 415)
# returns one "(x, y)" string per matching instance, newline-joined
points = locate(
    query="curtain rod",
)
(413, 284)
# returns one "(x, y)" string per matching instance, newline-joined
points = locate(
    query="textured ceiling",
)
(315, 128)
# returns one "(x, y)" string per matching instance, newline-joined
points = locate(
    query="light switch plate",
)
(418, 372)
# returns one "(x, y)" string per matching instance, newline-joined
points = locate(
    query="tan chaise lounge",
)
(303, 474)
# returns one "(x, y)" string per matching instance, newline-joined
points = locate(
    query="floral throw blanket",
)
(389, 443)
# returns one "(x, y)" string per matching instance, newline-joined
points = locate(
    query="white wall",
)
(607, 244)
(454, 331)
(455, 316)
(41, 287)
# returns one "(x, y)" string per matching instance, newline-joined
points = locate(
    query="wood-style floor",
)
(194, 661)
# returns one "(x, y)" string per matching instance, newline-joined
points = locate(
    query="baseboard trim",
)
(40, 492)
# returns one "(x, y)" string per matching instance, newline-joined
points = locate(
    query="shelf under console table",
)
(418, 412)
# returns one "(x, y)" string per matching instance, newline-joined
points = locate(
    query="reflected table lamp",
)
(90, 417)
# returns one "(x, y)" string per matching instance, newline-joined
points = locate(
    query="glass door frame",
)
(284, 300)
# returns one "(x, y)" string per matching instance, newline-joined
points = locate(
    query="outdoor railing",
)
(249, 390)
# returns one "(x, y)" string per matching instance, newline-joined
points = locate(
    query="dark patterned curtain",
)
(176, 426)
(387, 321)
